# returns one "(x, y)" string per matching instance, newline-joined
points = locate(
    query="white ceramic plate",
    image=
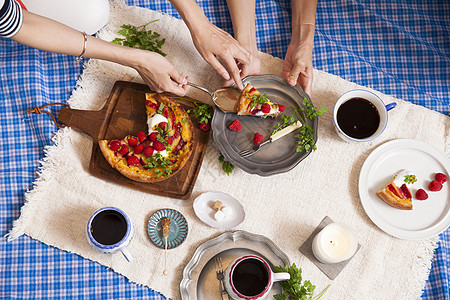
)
(428, 218)
(203, 209)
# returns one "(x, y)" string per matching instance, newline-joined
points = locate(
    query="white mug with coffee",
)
(109, 230)
(360, 116)
(250, 277)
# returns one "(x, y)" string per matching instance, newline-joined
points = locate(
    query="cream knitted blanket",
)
(285, 207)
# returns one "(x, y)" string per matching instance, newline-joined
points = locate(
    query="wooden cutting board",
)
(123, 114)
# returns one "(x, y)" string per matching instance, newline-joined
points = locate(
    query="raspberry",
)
(138, 149)
(142, 136)
(114, 145)
(169, 140)
(440, 177)
(153, 136)
(163, 125)
(235, 126)
(265, 108)
(123, 150)
(257, 139)
(435, 186)
(281, 107)
(148, 151)
(133, 141)
(158, 146)
(204, 127)
(133, 160)
(421, 195)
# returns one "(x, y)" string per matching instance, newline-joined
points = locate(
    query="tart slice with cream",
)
(251, 102)
(397, 193)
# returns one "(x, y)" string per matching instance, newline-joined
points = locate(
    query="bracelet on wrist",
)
(80, 57)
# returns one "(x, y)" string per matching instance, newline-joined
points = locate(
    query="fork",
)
(273, 138)
(220, 276)
(253, 149)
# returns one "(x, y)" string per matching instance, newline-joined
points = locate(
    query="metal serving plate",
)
(199, 277)
(277, 157)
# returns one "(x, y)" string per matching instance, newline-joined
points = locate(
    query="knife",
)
(273, 137)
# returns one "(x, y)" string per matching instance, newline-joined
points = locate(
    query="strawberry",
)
(148, 151)
(281, 107)
(133, 141)
(405, 191)
(153, 136)
(440, 177)
(133, 160)
(257, 139)
(158, 146)
(265, 108)
(138, 148)
(235, 126)
(123, 150)
(204, 127)
(114, 145)
(142, 136)
(163, 125)
(421, 195)
(169, 140)
(435, 186)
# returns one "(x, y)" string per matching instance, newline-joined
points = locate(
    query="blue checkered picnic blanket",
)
(400, 48)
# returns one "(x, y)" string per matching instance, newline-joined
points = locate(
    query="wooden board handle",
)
(87, 121)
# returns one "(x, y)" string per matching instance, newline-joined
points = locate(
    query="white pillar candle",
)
(334, 243)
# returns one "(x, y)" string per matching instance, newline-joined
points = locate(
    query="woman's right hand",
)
(158, 73)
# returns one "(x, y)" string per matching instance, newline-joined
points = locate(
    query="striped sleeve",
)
(10, 18)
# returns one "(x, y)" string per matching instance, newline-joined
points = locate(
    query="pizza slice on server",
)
(253, 103)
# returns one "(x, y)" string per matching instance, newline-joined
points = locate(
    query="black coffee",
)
(108, 227)
(358, 118)
(250, 277)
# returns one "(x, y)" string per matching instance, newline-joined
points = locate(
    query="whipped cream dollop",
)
(154, 121)
(404, 177)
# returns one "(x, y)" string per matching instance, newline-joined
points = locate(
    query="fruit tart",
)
(397, 193)
(158, 154)
(251, 102)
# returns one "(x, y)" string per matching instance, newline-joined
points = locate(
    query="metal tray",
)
(277, 157)
(199, 278)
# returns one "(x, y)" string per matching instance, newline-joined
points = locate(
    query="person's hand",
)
(159, 74)
(297, 67)
(252, 68)
(213, 43)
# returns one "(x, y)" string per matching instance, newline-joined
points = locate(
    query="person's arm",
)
(212, 42)
(48, 35)
(242, 14)
(297, 66)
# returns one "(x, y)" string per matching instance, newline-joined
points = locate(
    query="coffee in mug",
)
(109, 230)
(360, 116)
(250, 277)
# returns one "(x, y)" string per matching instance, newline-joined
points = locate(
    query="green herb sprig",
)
(203, 112)
(156, 162)
(139, 37)
(410, 179)
(294, 288)
(227, 167)
(258, 99)
(305, 136)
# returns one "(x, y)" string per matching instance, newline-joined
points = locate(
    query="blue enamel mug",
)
(360, 116)
(110, 230)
